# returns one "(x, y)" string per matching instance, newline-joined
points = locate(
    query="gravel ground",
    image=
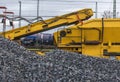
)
(20, 65)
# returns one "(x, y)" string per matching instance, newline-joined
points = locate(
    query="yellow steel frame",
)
(51, 23)
(97, 37)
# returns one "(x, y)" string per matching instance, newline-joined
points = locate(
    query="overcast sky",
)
(55, 7)
(49, 8)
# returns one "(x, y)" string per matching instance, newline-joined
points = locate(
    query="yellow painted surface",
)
(40, 53)
(48, 24)
(95, 36)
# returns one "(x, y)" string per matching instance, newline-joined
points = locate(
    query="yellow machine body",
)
(45, 25)
(96, 37)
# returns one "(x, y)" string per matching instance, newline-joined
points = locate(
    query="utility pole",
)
(96, 9)
(37, 9)
(37, 43)
(19, 13)
(114, 8)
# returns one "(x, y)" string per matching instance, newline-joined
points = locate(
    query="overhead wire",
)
(72, 2)
(80, 1)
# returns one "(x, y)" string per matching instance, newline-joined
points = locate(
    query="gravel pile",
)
(17, 64)
(20, 65)
(72, 67)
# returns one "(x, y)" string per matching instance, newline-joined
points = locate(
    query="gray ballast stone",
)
(17, 64)
(72, 67)
(20, 65)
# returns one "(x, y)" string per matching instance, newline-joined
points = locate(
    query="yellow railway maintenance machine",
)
(45, 25)
(96, 37)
